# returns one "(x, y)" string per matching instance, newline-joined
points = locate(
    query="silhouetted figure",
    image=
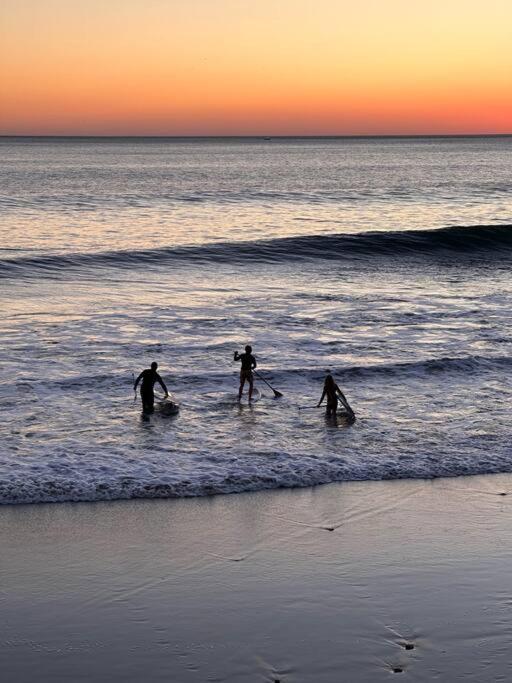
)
(149, 377)
(248, 364)
(332, 392)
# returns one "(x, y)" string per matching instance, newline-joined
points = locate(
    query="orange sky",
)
(244, 67)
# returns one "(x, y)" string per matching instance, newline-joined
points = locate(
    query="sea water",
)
(384, 261)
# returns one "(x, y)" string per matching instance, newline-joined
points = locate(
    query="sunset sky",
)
(270, 67)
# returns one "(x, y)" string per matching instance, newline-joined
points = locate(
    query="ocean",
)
(385, 261)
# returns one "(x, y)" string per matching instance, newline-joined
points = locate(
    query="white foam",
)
(111, 476)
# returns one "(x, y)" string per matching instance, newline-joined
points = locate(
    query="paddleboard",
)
(168, 408)
(346, 416)
(256, 395)
(344, 403)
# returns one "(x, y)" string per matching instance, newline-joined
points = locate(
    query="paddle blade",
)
(277, 394)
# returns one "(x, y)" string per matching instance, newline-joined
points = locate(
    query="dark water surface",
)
(386, 261)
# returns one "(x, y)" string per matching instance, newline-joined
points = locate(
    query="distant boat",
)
(267, 138)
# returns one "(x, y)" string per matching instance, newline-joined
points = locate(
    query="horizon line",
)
(262, 136)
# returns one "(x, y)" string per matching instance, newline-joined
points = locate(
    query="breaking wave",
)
(59, 481)
(491, 242)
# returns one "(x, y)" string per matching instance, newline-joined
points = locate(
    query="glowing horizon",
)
(230, 67)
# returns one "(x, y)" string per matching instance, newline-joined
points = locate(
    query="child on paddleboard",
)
(333, 392)
(248, 365)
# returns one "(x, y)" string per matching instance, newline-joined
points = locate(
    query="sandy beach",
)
(345, 582)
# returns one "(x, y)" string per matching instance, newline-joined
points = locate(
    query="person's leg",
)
(332, 407)
(148, 401)
(242, 383)
(251, 386)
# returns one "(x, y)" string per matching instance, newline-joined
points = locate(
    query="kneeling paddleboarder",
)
(147, 394)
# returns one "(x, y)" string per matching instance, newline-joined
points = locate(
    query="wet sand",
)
(346, 582)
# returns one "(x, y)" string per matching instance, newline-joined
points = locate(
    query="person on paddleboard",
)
(333, 392)
(248, 365)
(147, 394)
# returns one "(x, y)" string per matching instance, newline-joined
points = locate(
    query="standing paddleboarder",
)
(248, 365)
(147, 394)
(333, 392)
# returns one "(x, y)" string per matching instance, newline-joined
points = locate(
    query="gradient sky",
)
(215, 67)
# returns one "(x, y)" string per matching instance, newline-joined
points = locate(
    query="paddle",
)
(344, 403)
(277, 394)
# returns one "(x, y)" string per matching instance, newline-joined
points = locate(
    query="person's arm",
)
(236, 356)
(253, 363)
(162, 384)
(137, 381)
(323, 396)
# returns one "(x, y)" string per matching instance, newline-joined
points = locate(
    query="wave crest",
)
(471, 241)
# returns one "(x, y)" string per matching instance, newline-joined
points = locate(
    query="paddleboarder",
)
(333, 392)
(147, 394)
(248, 365)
